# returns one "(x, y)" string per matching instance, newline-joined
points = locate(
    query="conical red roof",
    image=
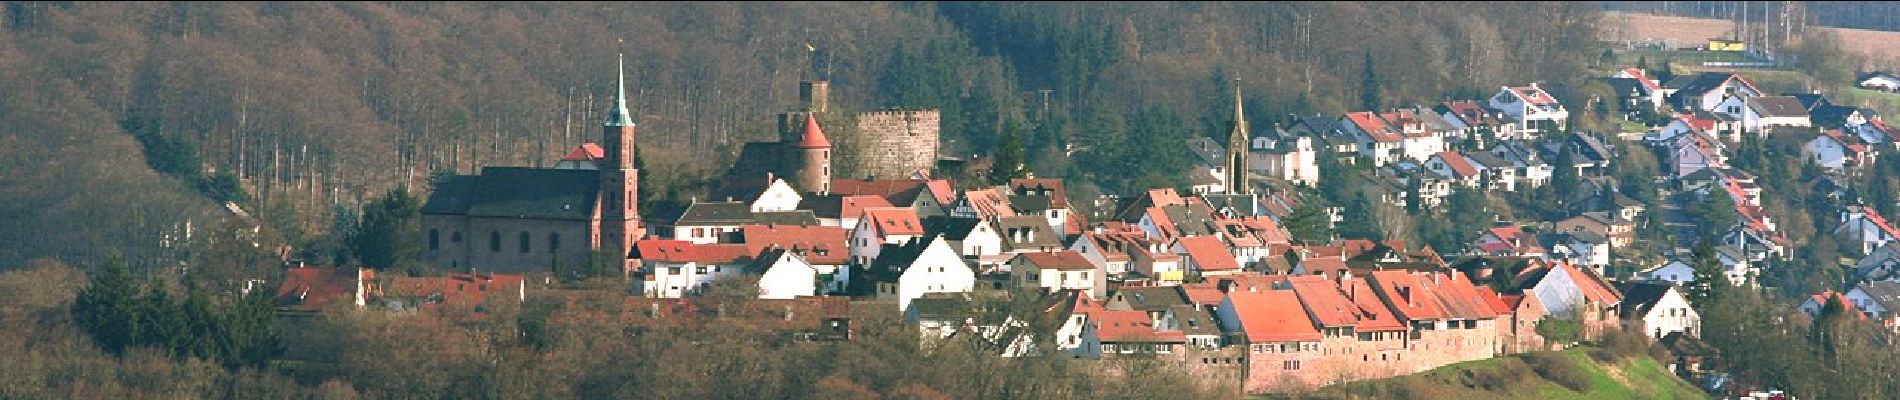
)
(814, 137)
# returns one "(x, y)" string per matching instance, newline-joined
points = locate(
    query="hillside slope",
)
(1569, 374)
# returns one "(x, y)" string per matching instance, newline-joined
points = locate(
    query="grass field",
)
(1512, 377)
(1685, 31)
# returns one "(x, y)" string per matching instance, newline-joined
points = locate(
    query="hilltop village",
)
(1236, 277)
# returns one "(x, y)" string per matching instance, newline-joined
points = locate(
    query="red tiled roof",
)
(1458, 163)
(1881, 222)
(1533, 95)
(1512, 300)
(1060, 260)
(1498, 303)
(1164, 197)
(680, 251)
(457, 289)
(989, 203)
(312, 289)
(854, 206)
(1202, 293)
(1643, 78)
(1210, 253)
(1461, 299)
(820, 245)
(942, 190)
(1697, 123)
(1820, 299)
(1373, 126)
(585, 152)
(1852, 145)
(1324, 302)
(1410, 299)
(1594, 289)
(1273, 316)
(814, 137)
(1131, 326)
(1374, 316)
(894, 221)
(897, 191)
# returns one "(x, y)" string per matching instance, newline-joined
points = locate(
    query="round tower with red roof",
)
(810, 158)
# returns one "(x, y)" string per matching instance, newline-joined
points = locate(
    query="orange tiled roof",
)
(1210, 253)
(585, 152)
(894, 221)
(1273, 316)
(680, 251)
(1324, 302)
(1131, 326)
(1060, 260)
(820, 245)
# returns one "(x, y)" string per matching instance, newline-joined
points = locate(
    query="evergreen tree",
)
(390, 231)
(107, 307)
(1009, 160)
(1710, 281)
(1309, 224)
(201, 322)
(1414, 202)
(1369, 97)
(1642, 63)
(1360, 223)
(248, 339)
(161, 324)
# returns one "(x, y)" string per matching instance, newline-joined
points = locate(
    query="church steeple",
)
(1237, 147)
(618, 116)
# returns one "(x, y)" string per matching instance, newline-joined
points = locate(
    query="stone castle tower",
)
(887, 144)
(619, 182)
(808, 160)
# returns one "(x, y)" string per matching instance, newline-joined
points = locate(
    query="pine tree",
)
(1710, 281)
(1369, 97)
(248, 338)
(161, 324)
(390, 231)
(1642, 63)
(1414, 202)
(106, 308)
(1309, 224)
(201, 322)
(1008, 162)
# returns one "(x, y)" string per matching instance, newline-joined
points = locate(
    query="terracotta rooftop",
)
(893, 221)
(1273, 316)
(1210, 253)
(1061, 260)
(821, 245)
(1131, 326)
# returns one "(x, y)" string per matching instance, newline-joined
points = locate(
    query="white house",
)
(675, 268)
(1869, 229)
(784, 275)
(1109, 251)
(1878, 299)
(1880, 264)
(1649, 89)
(881, 226)
(1764, 112)
(1292, 160)
(1658, 309)
(1835, 151)
(765, 193)
(1454, 167)
(1564, 289)
(1675, 271)
(1530, 108)
(712, 222)
(921, 265)
(1702, 92)
(1378, 140)
(1055, 271)
(975, 239)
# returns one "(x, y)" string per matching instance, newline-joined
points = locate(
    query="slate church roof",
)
(517, 192)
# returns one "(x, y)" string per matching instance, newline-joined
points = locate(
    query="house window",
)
(699, 232)
(455, 237)
(434, 239)
(524, 242)
(494, 242)
(554, 242)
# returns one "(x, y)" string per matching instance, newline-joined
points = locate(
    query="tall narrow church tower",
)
(1237, 146)
(619, 182)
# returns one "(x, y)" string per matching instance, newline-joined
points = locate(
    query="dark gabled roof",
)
(1701, 83)
(955, 229)
(1624, 87)
(1639, 297)
(1190, 220)
(1246, 205)
(716, 213)
(941, 306)
(1030, 203)
(1154, 298)
(893, 259)
(1886, 293)
(451, 195)
(1488, 160)
(1831, 115)
(794, 217)
(514, 192)
(1777, 106)
(1809, 100)
(746, 188)
(1043, 234)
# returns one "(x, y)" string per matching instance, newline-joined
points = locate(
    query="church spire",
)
(1237, 146)
(619, 116)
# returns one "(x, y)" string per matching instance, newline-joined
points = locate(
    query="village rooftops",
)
(1061, 260)
(1209, 253)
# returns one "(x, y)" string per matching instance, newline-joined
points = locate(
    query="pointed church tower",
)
(1237, 146)
(619, 182)
(810, 158)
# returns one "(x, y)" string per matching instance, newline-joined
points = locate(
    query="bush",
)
(1625, 344)
(1556, 367)
(1495, 379)
(1560, 330)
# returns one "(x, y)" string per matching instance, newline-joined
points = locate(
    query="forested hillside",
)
(123, 121)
